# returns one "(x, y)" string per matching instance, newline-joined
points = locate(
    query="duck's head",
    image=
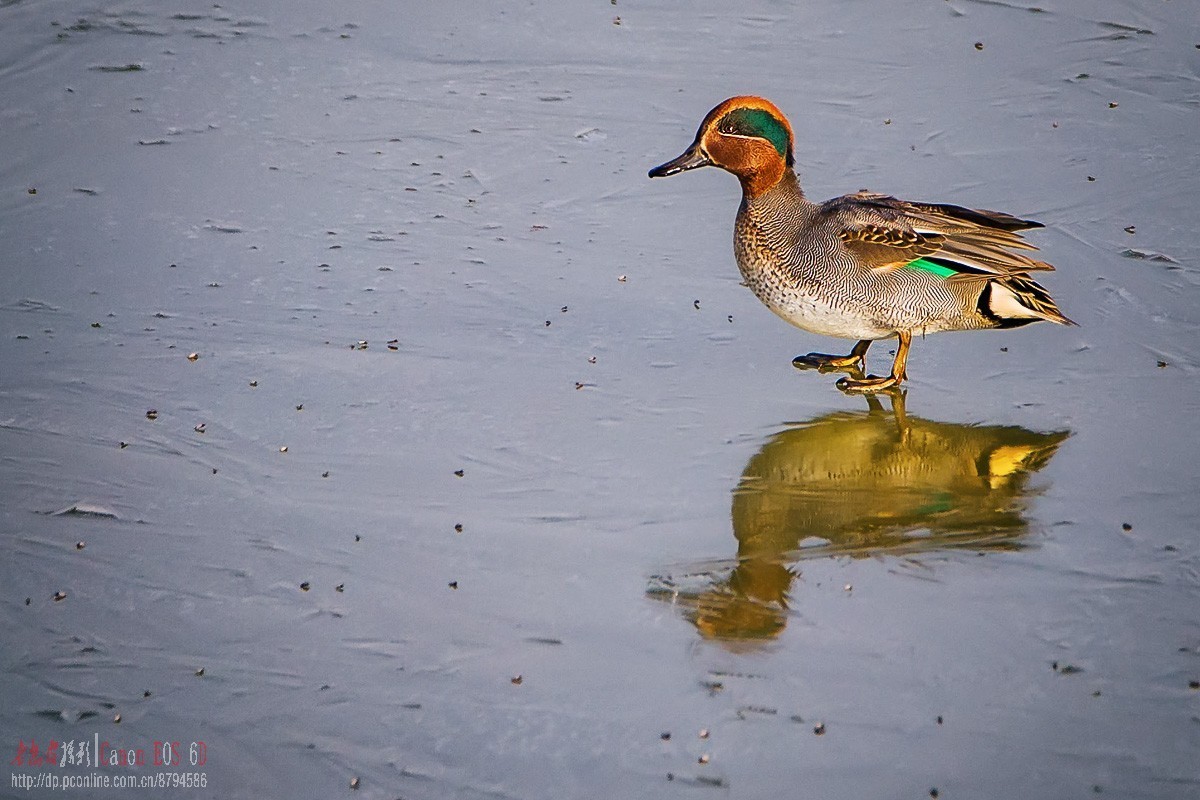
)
(745, 135)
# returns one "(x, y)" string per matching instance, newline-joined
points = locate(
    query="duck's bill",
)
(692, 158)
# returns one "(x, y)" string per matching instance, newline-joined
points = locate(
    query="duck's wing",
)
(885, 234)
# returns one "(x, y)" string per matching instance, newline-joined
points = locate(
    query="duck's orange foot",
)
(871, 384)
(823, 362)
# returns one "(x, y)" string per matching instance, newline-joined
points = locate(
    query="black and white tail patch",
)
(1016, 300)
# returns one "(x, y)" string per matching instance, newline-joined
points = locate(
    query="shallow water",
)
(395, 240)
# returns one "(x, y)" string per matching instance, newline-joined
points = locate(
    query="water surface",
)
(487, 475)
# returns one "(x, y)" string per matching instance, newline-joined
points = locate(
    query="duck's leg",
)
(872, 383)
(827, 363)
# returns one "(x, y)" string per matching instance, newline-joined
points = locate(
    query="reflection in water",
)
(858, 484)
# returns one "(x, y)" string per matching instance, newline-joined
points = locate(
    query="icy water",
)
(380, 426)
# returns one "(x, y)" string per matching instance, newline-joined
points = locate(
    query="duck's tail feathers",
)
(1016, 299)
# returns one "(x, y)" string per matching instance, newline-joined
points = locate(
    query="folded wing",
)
(886, 234)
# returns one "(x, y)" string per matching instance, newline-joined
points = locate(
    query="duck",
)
(863, 266)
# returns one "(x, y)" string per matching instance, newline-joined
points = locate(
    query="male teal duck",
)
(863, 266)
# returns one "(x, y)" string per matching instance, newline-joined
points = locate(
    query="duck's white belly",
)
(822, 314)
(816, 316)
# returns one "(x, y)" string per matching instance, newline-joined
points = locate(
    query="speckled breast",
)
(800, 293)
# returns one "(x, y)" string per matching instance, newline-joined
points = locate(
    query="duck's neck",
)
(769, 182)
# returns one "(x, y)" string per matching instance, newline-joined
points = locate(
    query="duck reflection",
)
(858, 484)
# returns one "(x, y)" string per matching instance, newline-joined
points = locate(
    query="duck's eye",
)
(757, 123)
(730, 124)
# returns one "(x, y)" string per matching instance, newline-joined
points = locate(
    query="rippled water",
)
(473, 472)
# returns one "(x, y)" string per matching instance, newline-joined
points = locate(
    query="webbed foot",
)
(823, 362)
(872, 384)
